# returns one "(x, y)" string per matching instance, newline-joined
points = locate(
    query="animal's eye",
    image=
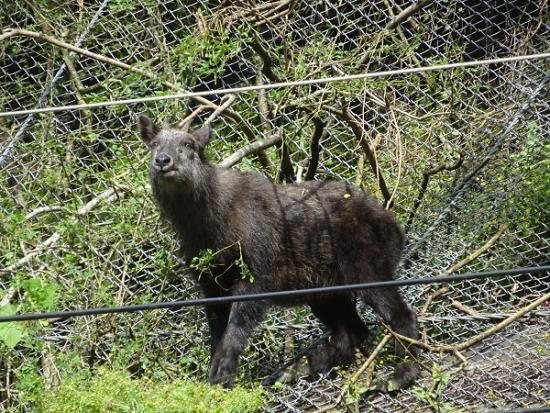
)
(188, 145)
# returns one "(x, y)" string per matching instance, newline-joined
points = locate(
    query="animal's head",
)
(176, 154)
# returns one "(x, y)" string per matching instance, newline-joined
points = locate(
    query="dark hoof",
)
(291, 374)
(222, 373)
(227, 382)
(380, 388)
(405, 374)
(324, 357)
(320, 359)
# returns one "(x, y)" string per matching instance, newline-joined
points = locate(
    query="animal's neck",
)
(190, 209)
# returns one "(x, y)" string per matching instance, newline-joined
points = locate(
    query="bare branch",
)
(405, 14)
(443, 290)
(267, 60)
(478, 252)
(400, 155)
(319, 132)
(109, 196)
(50, 39)
(8, 297)
(356, 375)
(84, 52)
(42, 210)
(360, 134)
(360, 169)
(227, 101)
(503, 324)
(253, 147)
(286, 170)
(273, 13)
(464, 308)
(424, 186)
(460, 264)
(184, 124)
(37, 250)
(264, 116)
(477, 338)
(402, 36)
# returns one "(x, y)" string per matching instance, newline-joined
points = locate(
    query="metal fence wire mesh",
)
(462, 155)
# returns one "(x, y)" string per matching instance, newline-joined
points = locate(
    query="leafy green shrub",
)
(114, 391)
(37, 295)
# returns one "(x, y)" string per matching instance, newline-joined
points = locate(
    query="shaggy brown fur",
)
(295, 236)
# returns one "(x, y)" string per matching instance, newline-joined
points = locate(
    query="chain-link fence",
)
(459, 155)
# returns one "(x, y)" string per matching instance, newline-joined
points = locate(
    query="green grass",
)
(114, 391)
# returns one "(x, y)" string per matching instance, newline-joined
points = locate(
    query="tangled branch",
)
(117, 63)
(477, 338)
(426, 176)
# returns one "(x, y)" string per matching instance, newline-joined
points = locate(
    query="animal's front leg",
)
(218, 316)
(242, 320)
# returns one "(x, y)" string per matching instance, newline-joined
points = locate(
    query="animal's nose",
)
(162, 159)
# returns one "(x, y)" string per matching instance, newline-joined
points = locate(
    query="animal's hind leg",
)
(390, 305)
(347, 329)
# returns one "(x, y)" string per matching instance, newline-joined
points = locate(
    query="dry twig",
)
(459, 265)
(101, 58)
(464, 308)
(227, 101)
(405, 14)
(264, 116)
(253, 147)
(426, 176)
(400, 155)
(109, 196)
(319, 133)
(265, 56)
(360, 134)
(432, 297)
(471, 257)
(117, 63)
(286, 171)
(356, 375)
(42, 210)
(477, 338)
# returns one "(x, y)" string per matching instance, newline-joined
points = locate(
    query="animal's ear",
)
(202, 135)
(148, 129)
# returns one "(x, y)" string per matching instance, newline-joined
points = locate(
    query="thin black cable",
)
(272, 295)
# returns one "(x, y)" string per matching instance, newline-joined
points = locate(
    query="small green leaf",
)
(41, 293)
(10, 333)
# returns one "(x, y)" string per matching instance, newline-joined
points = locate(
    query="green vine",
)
(204, 263)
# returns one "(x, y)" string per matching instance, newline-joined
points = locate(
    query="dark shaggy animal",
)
(312, 234)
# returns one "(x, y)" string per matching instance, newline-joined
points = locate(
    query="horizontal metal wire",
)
(278, 85)
(273, 295)
(526, 410)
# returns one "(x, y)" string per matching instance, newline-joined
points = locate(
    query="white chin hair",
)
(169, 174)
